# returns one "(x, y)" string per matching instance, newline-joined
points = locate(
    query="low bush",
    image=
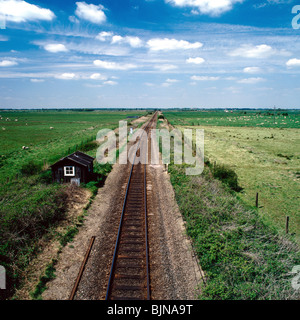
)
(30, 168)
(102, 169)
(46, 177)
(227, 176)
(92, 186)
(88, 146)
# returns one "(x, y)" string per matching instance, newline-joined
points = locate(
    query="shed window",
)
(69, 171)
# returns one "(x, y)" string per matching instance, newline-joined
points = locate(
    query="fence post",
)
(287, 224)
(256, 201)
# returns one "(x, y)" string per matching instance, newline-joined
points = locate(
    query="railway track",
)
(129, 276)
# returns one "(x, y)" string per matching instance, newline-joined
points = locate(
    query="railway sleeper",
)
(130, 265)
(129, 288)
(134, 242)
(134, 218)
(133, 223)
(129, 276)
(124, 298)
(133, 233)
(131, 257)
(131, 228)
(135, 204)
(132, 249)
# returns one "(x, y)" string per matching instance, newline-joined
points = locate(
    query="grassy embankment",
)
(264, 155)
(31, 206)
(242, 256)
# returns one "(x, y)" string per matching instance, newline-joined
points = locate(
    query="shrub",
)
(227, 176)
(30, 168)
(102, 169)
(46, 177)
(91, 145)
(92, 186)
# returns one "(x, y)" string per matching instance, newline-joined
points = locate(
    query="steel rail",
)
(82, 268)
(146, 236)
(121, 222)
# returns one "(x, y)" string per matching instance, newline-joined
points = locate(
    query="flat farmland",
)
(31, 206)
(49, 135)
(265, 156)
(236, 118)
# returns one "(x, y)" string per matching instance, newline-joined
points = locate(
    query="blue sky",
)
(149, 53)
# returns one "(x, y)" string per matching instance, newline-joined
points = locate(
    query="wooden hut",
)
(75, 168)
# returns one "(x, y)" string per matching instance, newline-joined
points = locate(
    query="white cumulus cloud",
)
(158, 44)
(98, 76)
(113, 65)
(104, 35)
(90, 12)
(251, 80)
(259, 51)
(66, 76)
(22, 11)
(204, 78)
(169, 82)
(110, 83)
(197, 60)
(293, 63)
(252, 70)
(210, 7)
(8, 63)
(55, 47)
(37, 80)
(134, 42)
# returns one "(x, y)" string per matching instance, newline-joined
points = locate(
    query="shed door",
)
(60, 177)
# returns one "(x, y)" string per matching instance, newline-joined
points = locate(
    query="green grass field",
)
(32, 129)
(266, 158)
(236, 118)
(30, 204)
(266, 161)
(243, 250)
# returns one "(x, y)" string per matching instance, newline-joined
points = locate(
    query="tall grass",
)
(30, 205)
(242, 257)
(26, 214)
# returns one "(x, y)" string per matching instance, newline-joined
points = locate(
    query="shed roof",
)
(78, 157)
